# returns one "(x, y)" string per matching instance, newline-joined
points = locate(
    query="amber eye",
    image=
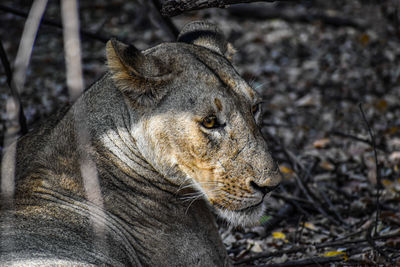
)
(210, 122)
(255, 109)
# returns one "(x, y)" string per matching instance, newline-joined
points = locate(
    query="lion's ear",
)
(139, 77)
(207, 35)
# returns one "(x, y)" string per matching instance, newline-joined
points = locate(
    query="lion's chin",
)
(246, 217)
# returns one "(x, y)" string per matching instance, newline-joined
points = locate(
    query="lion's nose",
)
(262, 189)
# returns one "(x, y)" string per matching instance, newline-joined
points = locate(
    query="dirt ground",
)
(329, 73)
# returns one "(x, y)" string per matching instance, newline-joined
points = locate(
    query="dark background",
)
(314, 63)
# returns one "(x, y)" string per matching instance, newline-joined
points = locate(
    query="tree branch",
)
(170, 8)
(164, 21)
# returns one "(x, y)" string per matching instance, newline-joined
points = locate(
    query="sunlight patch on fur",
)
(242, 218)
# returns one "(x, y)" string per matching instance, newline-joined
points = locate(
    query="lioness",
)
(172, 135)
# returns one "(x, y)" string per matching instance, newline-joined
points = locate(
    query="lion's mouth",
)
(252, 207)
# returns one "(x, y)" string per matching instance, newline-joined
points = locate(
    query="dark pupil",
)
(209, 122)
(255, 109)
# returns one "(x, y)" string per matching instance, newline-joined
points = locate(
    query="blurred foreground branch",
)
(53, 23)
(73, 61)
(13, 90)
(17, 81)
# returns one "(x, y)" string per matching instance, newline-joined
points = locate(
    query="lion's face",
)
(208, 132)
(203, 133)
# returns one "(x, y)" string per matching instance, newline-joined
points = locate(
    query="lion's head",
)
(198, 122)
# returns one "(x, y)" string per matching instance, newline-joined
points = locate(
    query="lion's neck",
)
(152, 206)
(121, 154)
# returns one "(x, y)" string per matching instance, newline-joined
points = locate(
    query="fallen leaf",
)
(322, 143)
(279, 235)
(310, 226)
(256, 248)
(392, 130)
(286, 170)
(393, 242)
(308, 101)
(381, 105)
(364, 39)
(326, 165)
(395, 156)
(336, 253)
(386, 182)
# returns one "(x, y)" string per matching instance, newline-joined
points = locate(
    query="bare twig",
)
(289, 197)
(371, 242)
(378, 188)
(332, 207)
(299, 230)
(355, 241)
(351, 137)
(298, 167)
(295, 164)
(302, 183)
(49, 22)
(378, 176)
(294, 202)
(306, 192)
(359, 139)
(13, 90)
(172, 8)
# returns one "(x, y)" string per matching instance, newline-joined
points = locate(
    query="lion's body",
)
(126, 178)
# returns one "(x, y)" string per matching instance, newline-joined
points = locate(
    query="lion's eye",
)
(210, 122)
(255, 109)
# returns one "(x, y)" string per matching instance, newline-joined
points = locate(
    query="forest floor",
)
(329, 73)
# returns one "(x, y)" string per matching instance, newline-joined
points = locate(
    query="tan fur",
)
(160, 170)
(126, 70)
(224, 171)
